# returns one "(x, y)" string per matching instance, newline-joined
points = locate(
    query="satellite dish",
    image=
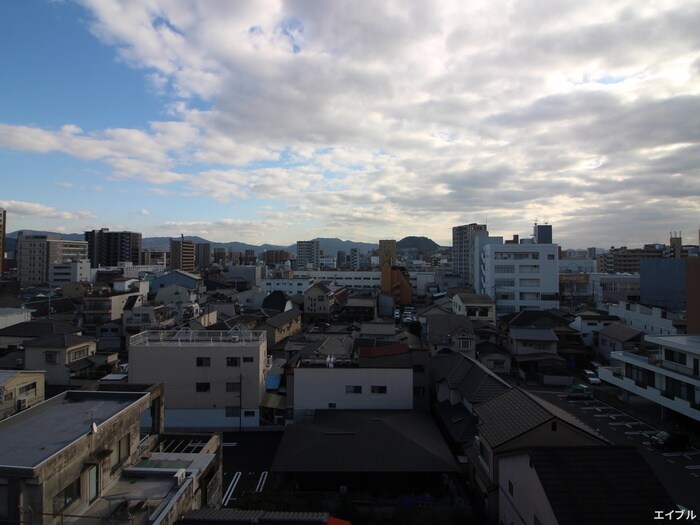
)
(94, 428)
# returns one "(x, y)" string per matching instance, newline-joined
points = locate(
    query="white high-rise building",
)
(308, 255)
(463, 250)
(520, 276)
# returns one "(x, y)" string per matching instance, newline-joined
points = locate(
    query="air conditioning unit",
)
(21, 404)
(180, 476)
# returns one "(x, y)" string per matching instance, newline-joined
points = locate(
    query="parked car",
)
(579, 392)
(591, 377)
(670, 441)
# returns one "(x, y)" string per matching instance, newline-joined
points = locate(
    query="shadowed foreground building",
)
(80, 458)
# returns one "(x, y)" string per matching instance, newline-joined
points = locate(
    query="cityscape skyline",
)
(296, 121)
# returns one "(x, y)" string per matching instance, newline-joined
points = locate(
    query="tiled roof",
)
(383, 351)
(38, 328)
(602, 485)
(384, 441)
(533, 334)
(450, 325)
(544, 318)
(242, 517)
(516, 412)
(59, 341)
(619, 332)
(475, 298)
(476, 383)
(284, 317)
(457, 420)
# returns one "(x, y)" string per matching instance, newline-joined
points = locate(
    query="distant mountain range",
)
(327, 245)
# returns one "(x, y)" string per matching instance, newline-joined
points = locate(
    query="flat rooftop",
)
(31, 437)
(188, 337)
(688, 343)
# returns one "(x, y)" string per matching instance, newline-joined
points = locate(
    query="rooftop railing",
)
(186, 336)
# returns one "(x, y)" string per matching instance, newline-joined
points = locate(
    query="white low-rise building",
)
(650, 320)
(670, 377)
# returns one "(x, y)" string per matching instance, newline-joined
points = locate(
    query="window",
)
(232, 361)
(504, 282)
(419, 369)
(203, 387)
(67, 496)
(510, 487)
(378, 389)
(248, 359)
(77, 354)
(120, 450)
(233, 411)
(203, 361)
(249, 413)
(501, 268)
(353, 389)
(554, 426)
(331, 405)
(418, 391)
(27, 390)
(51, 357)
(233, 387)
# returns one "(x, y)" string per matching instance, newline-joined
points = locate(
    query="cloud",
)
(363, 118)
(145, 212)
(33, 209)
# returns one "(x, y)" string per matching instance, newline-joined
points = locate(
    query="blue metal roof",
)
(273, 381)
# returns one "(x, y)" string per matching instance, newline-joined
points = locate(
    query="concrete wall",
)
(528, 498)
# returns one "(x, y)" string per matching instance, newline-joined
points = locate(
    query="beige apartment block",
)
(19, 390)
(213, 378)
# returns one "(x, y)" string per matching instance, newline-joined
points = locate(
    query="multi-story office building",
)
(182, 255)
(542, 233)
(202, 254)
(625, 260)
(308, 255)
(670, 376)
(214, 379)
(463, 250)
(3, 227)
(155, 257)
(274, 257)
(75, 271)
(106, 248)
(355, 259)
(520, 276)
(36, 253)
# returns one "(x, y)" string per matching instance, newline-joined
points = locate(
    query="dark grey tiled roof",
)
(364, 441)
(59, 341)
(516, 412)
(38, 329)
(476, 383)
(449, 325)
(602, 485)
(284, 317)
(240, 516)
(458, 422)
(533, 334)
(619, 332)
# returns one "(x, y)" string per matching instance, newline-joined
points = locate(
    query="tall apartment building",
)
(3, 226)
(182, 255)
(463, 250)
(202, 254)
(274, 257)
(520, 276)
(387, 259)
(355, 259)
(627, 260)
(308, 255)
(36, 253)
(106, 248)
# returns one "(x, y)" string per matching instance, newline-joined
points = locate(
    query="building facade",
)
(463, 250)
(36, 253)
(308, 255)
(182, 255)
(106, 248)
(214, 379)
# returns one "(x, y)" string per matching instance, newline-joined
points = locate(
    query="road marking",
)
(229, 444)
(693, 467)
(261, 482)
(231, 488)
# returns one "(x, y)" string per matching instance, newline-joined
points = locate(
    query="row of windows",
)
(230, 361)
(206, 387)
(357, 389)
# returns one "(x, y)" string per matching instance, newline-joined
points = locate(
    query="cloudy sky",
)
(284, 120)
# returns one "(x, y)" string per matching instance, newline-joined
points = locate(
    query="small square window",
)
(249, 413)
(203, 387)
(331, 405)
(378, 389)
(353, 389)
(233, 411)
(232, 361)
(248, 359)
(203, 361)
(233, 387)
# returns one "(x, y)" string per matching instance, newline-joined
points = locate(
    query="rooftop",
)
(204, 337)
(31, 437)
(687, 343)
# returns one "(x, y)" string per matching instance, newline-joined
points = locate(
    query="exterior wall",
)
(319, 388)
(252, 274)
(25, 388)
(692, 282)
(70, 272)
(366, 280)
(236, 385)
(589, 328)
(100, 309)
(521, 276)
(35, 358)
(475, 311)
(182, 255)
(463, 250)
(608, 288)
(652, 321)
(12, 316)
(275, 334)
(528, 499)
(497, 363)
(308, 255)
(288, 286)
(524, 346)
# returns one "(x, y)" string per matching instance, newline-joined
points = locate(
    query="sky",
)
(276, 121)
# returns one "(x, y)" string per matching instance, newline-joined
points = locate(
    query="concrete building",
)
(182, 255)
(251, 273)
(627, 260)
(20, 390)
(202, 254)
(288, 286)
(3, 233)
(387, 259)
(62, 357)
(669, 376)
(308, 255)
(520, 276)
(542, 233)
(275, 257)
(103, 307)
(323, 299)
(155, 257)
(662, 283)
(650, 320)
(617, 337)
(463, 250)
(75, 271)
(589, 323)
(36, 253)
(478, 307)
(213, 379)
(106, 248)
(12, 316)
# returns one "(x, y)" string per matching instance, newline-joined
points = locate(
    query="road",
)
(247, 458)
